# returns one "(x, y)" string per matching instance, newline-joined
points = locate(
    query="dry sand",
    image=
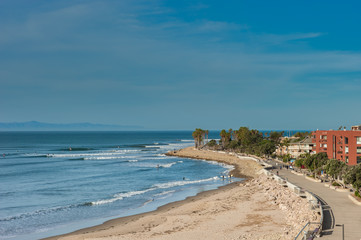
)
(258, 208)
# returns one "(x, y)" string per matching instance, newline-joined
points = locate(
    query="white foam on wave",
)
(104, 158)
(155, 165)
(164, 193)
(152, 146)
(121, 196)
(182, 183)
(154, 158)
(168, 165)
(112, 153)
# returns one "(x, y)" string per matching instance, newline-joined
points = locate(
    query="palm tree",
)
(198, 136)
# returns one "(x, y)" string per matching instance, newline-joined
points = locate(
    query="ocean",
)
(57, 182)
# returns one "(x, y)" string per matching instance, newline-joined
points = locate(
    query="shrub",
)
(212, 143)
(357, 194)
(232, 144)
(336, 184)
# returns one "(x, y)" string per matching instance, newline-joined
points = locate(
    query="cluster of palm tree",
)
(199, 136)
(243, 140)
(336, 169)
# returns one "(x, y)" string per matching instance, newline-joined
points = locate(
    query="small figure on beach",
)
(184, 178)
(222, 177)
(69, 148)
(277, 173)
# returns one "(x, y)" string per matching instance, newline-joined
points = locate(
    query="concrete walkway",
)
(338, 208)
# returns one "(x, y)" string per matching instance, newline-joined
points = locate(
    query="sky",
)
(180, 65)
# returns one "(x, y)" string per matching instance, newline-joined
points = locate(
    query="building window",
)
(358, 149)
(346, 159)
(324, 137)
(346, 140)
(358, 160)
(358, 140)
(346, 149)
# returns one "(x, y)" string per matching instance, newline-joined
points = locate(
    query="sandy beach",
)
(257, 208)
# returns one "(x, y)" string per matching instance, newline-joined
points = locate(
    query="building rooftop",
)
(356, 128)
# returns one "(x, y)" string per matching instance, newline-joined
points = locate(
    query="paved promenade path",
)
(338, 208)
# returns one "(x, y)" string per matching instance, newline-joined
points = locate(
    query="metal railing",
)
(307, 232)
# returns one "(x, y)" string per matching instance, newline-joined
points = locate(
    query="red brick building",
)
(339, 144)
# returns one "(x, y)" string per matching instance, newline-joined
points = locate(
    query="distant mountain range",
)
(34, 125)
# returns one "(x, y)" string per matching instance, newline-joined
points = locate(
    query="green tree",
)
(334, 168)
(299, 162)
(301, 135)
(243, 136)
(198, 136)
(226, 137)
(267, 147)
(276, 137)
(353, 177)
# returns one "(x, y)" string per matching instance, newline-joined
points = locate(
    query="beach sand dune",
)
(258, 208)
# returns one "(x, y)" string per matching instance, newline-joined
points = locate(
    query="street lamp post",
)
(343, 230)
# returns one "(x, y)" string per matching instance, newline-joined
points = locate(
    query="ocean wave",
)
(155, 165)
(104, 158)
(112, 153)
(43, 212)
(182, 183)
(164, 193)
(34, 155)
(154, 158)
(121, 196)
(75, 149)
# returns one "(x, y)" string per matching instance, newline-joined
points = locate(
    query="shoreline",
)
(243, 167)
(236, 209)
(121, 221)
(199, 196)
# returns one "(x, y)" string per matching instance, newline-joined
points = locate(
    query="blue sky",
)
(182, 64)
